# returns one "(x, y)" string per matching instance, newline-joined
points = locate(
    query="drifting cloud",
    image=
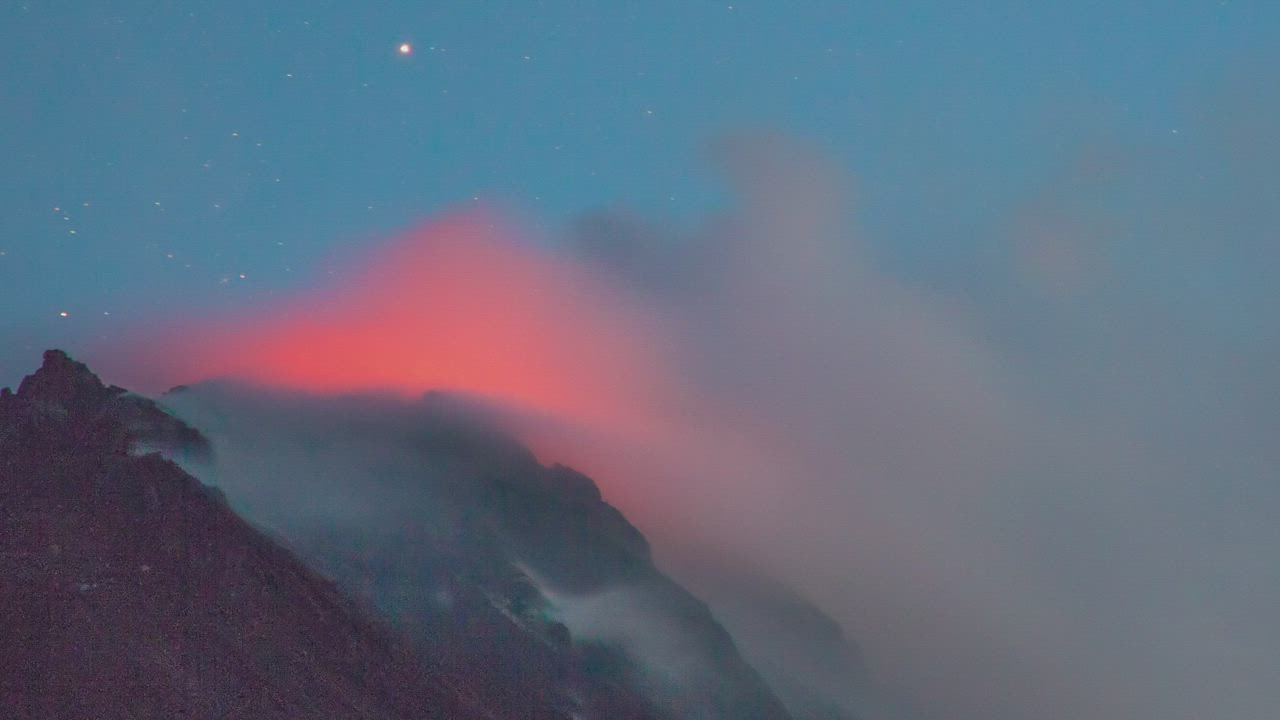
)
(1050, 498)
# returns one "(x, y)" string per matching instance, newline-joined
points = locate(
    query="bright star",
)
(405, 48)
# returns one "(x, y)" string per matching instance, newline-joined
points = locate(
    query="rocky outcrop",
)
(130, 590)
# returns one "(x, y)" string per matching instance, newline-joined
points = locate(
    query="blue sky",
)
(157, 151)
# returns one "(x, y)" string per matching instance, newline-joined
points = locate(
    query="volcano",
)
(129, 588)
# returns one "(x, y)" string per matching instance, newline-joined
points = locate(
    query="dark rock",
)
(128, 591)
(223, 612)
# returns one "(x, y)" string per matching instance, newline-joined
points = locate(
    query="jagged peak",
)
(60, 376)
(58, 360)
(64, 389)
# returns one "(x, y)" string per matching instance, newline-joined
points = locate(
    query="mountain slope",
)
(516, 574)
(129, 590)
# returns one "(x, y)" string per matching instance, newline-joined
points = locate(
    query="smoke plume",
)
(1052, 498)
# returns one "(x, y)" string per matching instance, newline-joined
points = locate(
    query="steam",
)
(1055, 499)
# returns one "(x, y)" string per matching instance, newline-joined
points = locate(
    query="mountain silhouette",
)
(130, 589)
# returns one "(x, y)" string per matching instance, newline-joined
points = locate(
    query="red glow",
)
(462, 304)
(455, 305)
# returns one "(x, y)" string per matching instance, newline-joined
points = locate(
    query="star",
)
(405, 49)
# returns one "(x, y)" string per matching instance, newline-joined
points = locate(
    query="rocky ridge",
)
(128, 589)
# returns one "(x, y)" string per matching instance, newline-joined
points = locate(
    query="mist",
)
(1043, 490)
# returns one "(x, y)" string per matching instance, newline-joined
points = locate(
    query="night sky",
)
(194, 154)
(967, 310)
